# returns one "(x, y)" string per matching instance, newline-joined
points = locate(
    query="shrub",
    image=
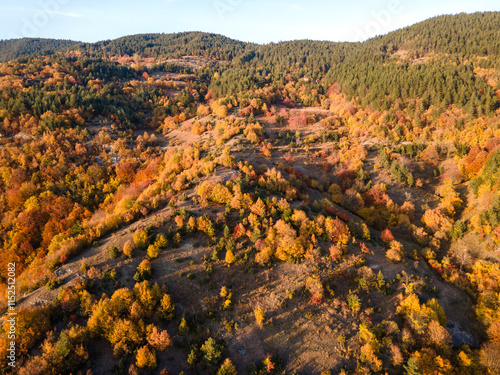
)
(143, 271)
(128, 249)
(354, 303)
(113, 252)
(54, 284)
(93, 273)
(315, 287)
(109, 275)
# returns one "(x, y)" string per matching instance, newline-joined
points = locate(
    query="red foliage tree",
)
(387, 236)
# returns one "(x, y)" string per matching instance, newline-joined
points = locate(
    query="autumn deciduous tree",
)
(370, 348)
(430, 156)
(315, 287)
(124, 335)
(336, 252)
(141, 238)
(121, 300)
(493, 331)
(337, 231)
(435, 220)
(161, 241)
(450, 201)
(397, 358)
(490, 356)
(387, 236)
(153, 251)
(159, 339)
(148, 295)
(354, 303)
(288, 245)
(230, 258)
(143, 271)
(438, 336)
(146, 358)
(31, 325)
(167, 308)
(204, 224)
(128, 249)
(125, 171)
(429, 362)
(100, 321)
(420, 315)
(395, 251)
(137, 312)
(260, 316)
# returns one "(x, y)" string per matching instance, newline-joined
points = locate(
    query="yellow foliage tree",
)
(395, 251)
(146, 358)
(141, 239)
(167, 307)
(121, 300)
(100, 321)
(260, 316)
(153, 251)
(125, 332)
(148, 295)
(230, 258)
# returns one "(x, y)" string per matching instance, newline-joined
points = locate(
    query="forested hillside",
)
(13, 48)
(191, 204)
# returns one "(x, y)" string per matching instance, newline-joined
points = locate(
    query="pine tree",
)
(227, 368)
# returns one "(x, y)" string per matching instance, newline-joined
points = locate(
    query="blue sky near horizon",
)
(257, 21)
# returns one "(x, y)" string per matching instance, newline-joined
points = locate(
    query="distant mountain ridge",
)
(463, 34)
(12, 49)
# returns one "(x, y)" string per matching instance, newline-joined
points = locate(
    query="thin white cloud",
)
(43, 10)
(64, 14)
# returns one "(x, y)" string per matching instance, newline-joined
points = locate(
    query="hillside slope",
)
(191, 204)
(14, 48)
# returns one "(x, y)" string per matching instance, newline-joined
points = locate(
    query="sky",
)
(258, 21)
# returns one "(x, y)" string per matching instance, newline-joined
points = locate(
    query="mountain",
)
(476, 34)
(14, 48)
(464, 34)
(168, 46)
(191, 204)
